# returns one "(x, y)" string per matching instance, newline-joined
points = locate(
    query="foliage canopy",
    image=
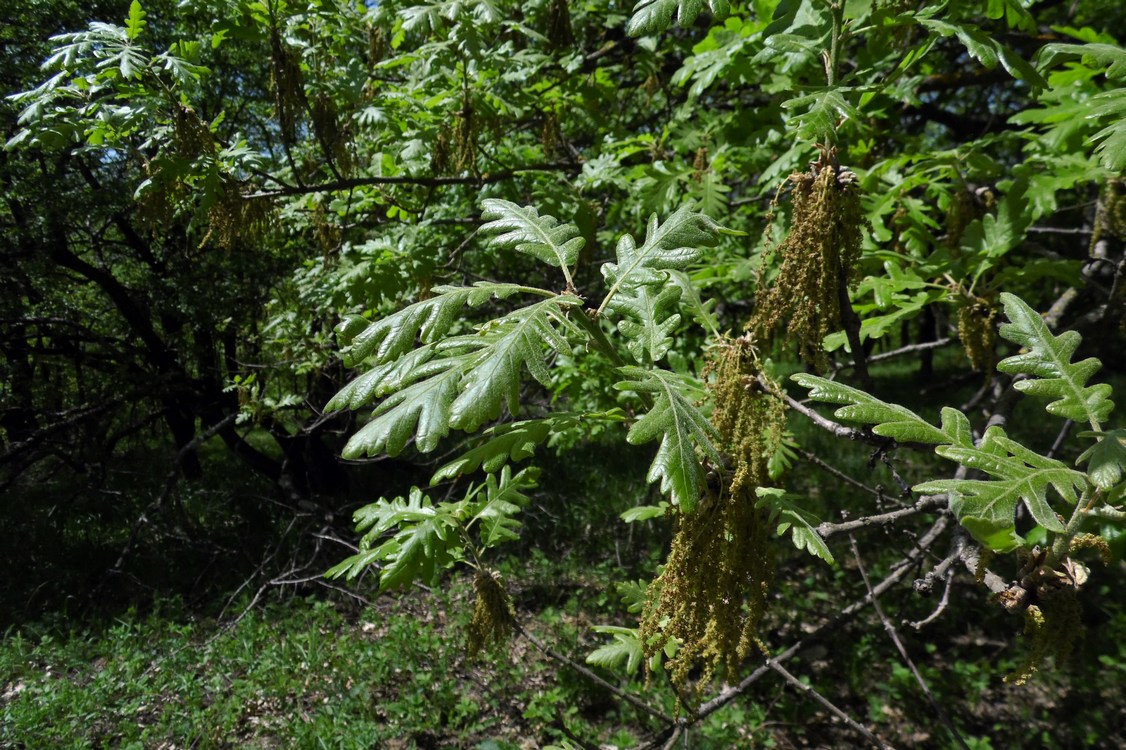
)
(470, 235)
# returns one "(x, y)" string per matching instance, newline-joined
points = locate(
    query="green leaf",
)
(645, 512)
(888, 420)
(654, 16)
(460, 383)
(676, 244)
(632, 594)
(988, 51)
(799, 522)
(426, 541)
(1048, 362)
(987, 507)
(1110, 106)
(782, 458)
(625, 649)
(524, 230)
(136, 22)
(514, 441)
(1106, 459)
(690, 296)
(387, 378)
(817, 114)
(389, 337)
(649, 316)
(420, 411)
(503, 498)
(496, 353)
(681, 428)
(1108, 56)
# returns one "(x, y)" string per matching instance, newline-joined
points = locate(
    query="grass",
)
(306, 673)
(311, 674)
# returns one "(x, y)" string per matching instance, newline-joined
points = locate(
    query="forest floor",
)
(310, 673)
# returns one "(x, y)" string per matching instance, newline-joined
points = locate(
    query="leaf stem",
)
(588, 321)
(836, 10)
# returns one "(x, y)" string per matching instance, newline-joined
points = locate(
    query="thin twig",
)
(1061, 437)
(971, 558)
(840, 430)
(676, 732)
(894, 635)
(924, 503)
(810, 692)
(823, 422)
(425, 181)
(942, 604)
(551, 653)
(833, 624)
(911, 349)
(816, 460)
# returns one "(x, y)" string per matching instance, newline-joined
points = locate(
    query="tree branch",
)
(810, 692)
(924, 503)
(426, 181)
(894, 635)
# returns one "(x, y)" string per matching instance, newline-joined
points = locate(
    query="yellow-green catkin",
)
(1053, 625)
(560, 35)
(1116, 207)
(288, 85)
(332, 136)
(819, 254)
(960, 213)
(712, 591)
(493, 621)
(977, 330)
(234, 216)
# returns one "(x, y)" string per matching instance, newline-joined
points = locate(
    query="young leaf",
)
(426, 541)
(1110, 107)
(681, 428)
(136, 22)
(889, 420)
(649, 316)
(421, 411)
(654, 16)
(625, 649)
(1112, 57)
(460, 383)
(987, 507)
(1048, 361)
(430, 319)
(514, 441)
(677, 243)
(988, 51)
(644, 512)
(799, 522)
(524, 230)
(632, 594)
(1106, 459)
(503, 498)
(387, 378)
(493, 366)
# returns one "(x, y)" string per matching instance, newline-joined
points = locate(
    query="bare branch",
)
(894, 635)
(810, 692)
(823, 422)
(901, 351)
(816, 460)
(629, 698)
(924, 503)
(832, 625)
(425, 181)
(942, 604)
